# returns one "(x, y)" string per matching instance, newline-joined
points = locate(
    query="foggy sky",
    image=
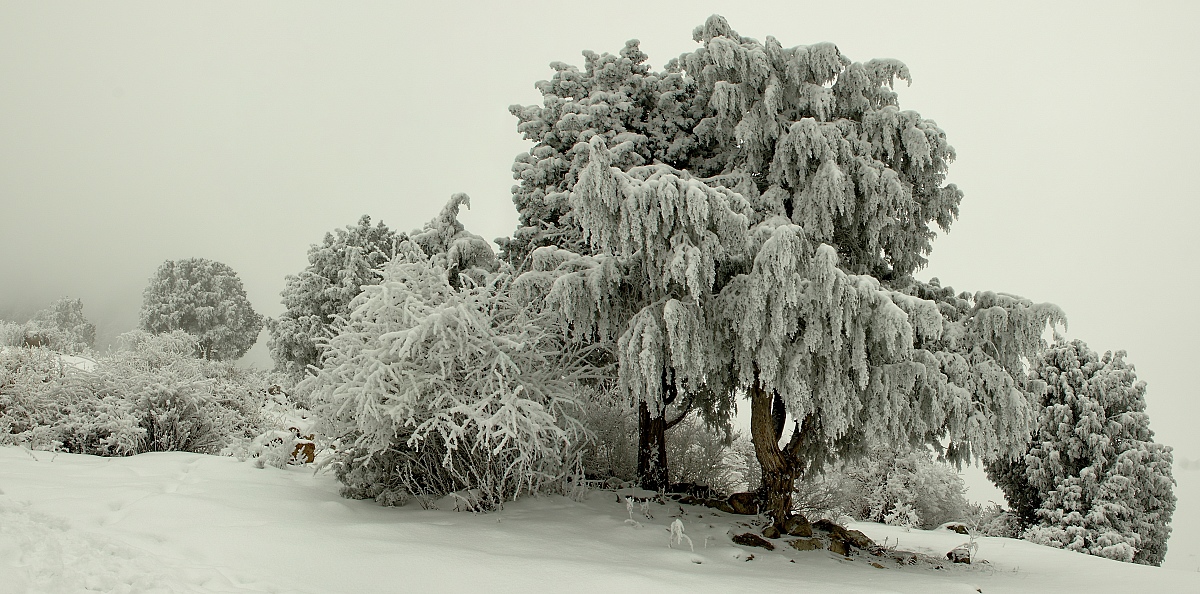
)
(136, 132)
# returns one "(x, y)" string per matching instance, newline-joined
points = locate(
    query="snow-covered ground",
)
(177, 522)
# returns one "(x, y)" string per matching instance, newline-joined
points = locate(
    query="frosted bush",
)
(911, 490)
(150, 395)
(993, 520)
(11, 334)
(1093, 479)
(27, 377)
(700, 455)
(61, 327)
(437, 389)
(613, 452)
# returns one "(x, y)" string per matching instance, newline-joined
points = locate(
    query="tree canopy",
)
(747, 221)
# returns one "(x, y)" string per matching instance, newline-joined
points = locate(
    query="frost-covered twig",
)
(677, 535)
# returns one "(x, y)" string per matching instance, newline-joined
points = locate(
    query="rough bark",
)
(652, 450)
(778, 469)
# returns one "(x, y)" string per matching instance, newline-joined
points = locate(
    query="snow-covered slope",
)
(177, 522)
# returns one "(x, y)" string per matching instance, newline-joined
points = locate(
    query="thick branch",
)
(687, 408)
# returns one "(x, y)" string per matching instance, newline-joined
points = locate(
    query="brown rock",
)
(797, 525)
(853, 538)
(771, 532)
(720, 504)
(959, 555)
(743, 503)
(825, 525)
(837, 545)
(807, 544)
(857, 539)
(877, 566)
(749, 539)
(959, 528)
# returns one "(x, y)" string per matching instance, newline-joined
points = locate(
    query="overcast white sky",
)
(136, 132)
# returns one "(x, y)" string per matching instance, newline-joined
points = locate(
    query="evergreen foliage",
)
(337, 269)
(1093, 479)
(203, 298)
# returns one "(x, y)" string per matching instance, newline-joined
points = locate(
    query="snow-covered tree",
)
(203, 298)
(660, 235)
(442, 381)
(1093, 480)
(635, 110)
(61, 327)
(337, 269)
(462, 254)
(752, 230)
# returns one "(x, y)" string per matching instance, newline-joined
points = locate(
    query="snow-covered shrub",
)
(993, 520)
(827, 495)
(48, 404)
(700, 455)
(11, 334)
(27, 405)
(285, 430)
(908, 490)
(1094, 480)
(743, 448)
(152, 394)
(613, 452)
(436, 390)
(61, 327)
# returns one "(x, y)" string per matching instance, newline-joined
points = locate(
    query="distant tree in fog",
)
(65, 325)
(203, 298)
(61, 327)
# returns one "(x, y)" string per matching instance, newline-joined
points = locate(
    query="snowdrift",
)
(178, 522)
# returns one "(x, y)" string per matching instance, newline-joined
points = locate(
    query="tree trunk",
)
(652, 450)
(778, 472)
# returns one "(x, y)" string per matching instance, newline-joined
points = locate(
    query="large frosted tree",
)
(1093, 479)
(747, 221)
(337, 269)
(205, 299)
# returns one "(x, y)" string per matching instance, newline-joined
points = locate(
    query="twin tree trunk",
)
(780, 466)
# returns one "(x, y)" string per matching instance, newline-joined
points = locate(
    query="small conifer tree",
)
(337, 269)
(1093, 479)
